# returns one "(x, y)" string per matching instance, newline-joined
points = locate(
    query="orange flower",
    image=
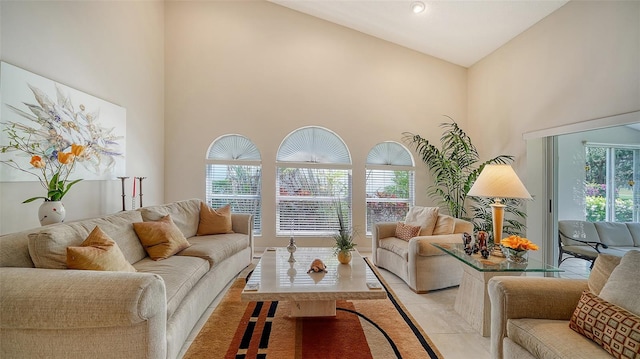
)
(65, 158)
(36, 161)
(77, 150)
(518, 243)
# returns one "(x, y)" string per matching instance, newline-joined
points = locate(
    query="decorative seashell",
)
(317, 266)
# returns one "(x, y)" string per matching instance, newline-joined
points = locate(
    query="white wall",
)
(571, 162)
(111, 50)
(262, 70)
(579, 63)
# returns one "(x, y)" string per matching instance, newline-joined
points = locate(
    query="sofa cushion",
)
(582, 230)
(98, 252)
(602, 268)
(48, 248)
(185, 214)
(14, 249)
(216, 248)
(425, 217)
(444, 225)
(180, 275)
(214, 221)
(623, 286)
(406, 231)
(613, 328)
(552, 339)
(161, 239)
(396, 245)
(614, 234)
(634, 229)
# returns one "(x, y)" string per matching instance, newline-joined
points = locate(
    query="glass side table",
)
(472, 300)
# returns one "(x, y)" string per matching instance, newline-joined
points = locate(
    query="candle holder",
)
(123, 195)
(140, 181)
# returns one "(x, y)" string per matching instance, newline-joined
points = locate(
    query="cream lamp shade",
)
(498, 181)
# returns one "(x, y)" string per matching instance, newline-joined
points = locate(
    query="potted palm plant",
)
(455, 166)
(343, 239)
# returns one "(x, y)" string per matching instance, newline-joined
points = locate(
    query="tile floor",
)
(453, 337)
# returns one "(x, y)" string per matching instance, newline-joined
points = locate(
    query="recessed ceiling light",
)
(417, 7)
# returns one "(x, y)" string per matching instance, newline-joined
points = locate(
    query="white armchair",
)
(422, 266)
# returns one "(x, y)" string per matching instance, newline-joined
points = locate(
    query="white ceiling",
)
(461, 32)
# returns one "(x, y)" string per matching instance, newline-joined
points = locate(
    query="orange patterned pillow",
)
(161, 239)
(613, 328)
(406, 231)
(98, 252)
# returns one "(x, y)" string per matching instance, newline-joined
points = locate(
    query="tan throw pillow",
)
(616, 330)
(602, 268)
(623, 286)
(444, 225)
(214, 221)
(161, 239)
(406, 231)
(425, 217)
(98, 252)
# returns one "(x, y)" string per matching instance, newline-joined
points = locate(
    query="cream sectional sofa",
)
(585, 240)
(422, 266)
(530, 316)
(51, 312)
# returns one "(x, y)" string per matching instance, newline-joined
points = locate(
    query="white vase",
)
(51, 212)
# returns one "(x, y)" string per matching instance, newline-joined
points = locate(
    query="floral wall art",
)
(48, 118)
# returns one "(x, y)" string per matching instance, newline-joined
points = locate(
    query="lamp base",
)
(497, 252)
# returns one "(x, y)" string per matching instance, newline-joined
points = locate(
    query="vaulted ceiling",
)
(461, 32)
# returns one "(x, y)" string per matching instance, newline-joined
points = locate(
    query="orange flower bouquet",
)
(515, 248)
(54, 166)
(518, 243)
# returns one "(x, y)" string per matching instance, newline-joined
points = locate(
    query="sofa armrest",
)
(383, 230)
(68, 299)
(530, 297)
(421, 246)
(591, 244)
(242, 223)
(380, 231)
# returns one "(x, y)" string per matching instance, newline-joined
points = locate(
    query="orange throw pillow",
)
(214, 221)
(98, 252)
(406, 231)
(610, 326)
(161, 239)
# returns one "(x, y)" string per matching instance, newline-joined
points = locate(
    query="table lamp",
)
(497, 182)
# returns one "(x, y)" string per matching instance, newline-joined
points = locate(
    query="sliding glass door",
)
(611, 174)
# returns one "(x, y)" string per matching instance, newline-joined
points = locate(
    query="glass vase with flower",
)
(51, 166)
(516, 248)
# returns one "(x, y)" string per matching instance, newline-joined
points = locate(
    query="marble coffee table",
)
(312, 294)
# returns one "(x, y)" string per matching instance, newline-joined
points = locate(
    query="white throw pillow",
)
(623, 286)
(425, 217)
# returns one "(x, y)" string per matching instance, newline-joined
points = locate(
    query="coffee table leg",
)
(314, 308)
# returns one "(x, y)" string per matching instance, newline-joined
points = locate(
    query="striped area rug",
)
(361, 329)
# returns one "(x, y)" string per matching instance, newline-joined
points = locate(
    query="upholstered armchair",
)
(422, 266)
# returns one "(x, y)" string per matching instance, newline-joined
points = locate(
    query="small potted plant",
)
(344, 239)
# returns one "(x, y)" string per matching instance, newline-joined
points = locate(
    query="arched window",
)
(390, 183)
(233, 175)
(313, 177)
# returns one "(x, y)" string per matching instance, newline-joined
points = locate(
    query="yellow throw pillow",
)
(214, 221)
(98, 252)
(161, 239)
(406, 231)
